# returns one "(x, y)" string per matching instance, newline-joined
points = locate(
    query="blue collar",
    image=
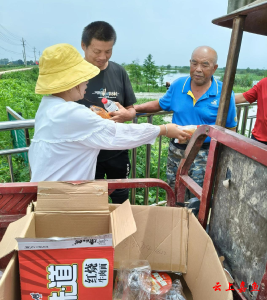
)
(212, 91)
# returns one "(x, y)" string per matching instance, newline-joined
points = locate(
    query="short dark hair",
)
(98, 30)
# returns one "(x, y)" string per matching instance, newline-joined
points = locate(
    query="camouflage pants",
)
(196, 171)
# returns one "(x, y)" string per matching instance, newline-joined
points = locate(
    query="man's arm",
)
(148, 107)
(123, 115)
(239, 98)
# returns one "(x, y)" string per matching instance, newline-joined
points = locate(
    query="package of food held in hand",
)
(190, 129)
(100, 111)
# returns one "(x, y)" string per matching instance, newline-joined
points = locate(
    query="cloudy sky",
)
(169, 29)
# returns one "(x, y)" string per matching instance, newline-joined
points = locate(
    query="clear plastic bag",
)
(175, 293)
(133, 281)
(161, 284)
(100, 111)
(190, 129)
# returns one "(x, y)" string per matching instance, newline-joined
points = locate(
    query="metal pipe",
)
(13, 113)
(19, 124)
(162, 112)
(158, 173)
(10, 164)
(244, 120)
(229, 76)
(250, 126)
(238, 113)
(133, 163)
(14, 151)
(148, 155)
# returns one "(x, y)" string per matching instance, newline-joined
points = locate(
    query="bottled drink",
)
(109, 105)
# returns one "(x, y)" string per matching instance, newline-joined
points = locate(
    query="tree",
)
(169, 67)
(4, 61)
(150, 71)
(135, 73)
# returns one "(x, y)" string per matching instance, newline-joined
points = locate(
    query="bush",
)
(17, 90)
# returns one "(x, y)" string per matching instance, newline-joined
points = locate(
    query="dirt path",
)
(15, 70)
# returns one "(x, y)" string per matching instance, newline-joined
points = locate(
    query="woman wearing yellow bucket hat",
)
(68, 136)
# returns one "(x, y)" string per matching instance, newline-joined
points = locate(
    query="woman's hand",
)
(172, 131)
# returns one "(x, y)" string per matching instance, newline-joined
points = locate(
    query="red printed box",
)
(66, 269)
(67, 210)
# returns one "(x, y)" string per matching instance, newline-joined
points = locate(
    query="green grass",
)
(141, 162)
(17, 92)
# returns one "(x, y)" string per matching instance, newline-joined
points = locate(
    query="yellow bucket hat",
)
(61, 68)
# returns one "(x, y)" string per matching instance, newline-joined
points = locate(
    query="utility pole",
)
(34, 55)
(24, 52)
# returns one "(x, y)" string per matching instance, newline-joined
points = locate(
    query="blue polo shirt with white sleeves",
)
(187, 111)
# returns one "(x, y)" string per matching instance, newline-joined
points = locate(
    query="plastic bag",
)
(161, 284)
(100, 111)
(190, 129)
(175, 293)
(133, 281)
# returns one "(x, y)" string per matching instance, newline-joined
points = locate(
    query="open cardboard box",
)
(171, 239)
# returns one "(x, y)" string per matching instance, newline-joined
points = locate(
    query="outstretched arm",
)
(148, 107)
(239, 98)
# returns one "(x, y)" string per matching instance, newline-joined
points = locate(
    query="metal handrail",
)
(19, 124)
(22, 124)
(14, 151)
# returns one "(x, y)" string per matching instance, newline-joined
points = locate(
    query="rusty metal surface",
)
(238, 224)
(262, 295)
(252, 149)
(230, 70)
(256, 20)
(239, 221)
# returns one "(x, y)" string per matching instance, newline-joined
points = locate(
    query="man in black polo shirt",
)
(113, 83)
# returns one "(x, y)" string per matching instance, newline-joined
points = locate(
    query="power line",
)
(30, 45)
(7, 40)
(10, 50)
(11, 39)
(16, 37)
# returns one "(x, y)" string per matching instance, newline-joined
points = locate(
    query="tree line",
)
(148, 77)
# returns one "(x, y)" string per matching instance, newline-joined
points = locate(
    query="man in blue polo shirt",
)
(194, 100)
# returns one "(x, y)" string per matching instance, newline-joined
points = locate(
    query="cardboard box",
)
(171, 239)
(64, 210)
(70, 268)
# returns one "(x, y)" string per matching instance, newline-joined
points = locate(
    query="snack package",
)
(190, 129)
(161, 284)
(100, 111)
(174, 293)
(133, 281)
